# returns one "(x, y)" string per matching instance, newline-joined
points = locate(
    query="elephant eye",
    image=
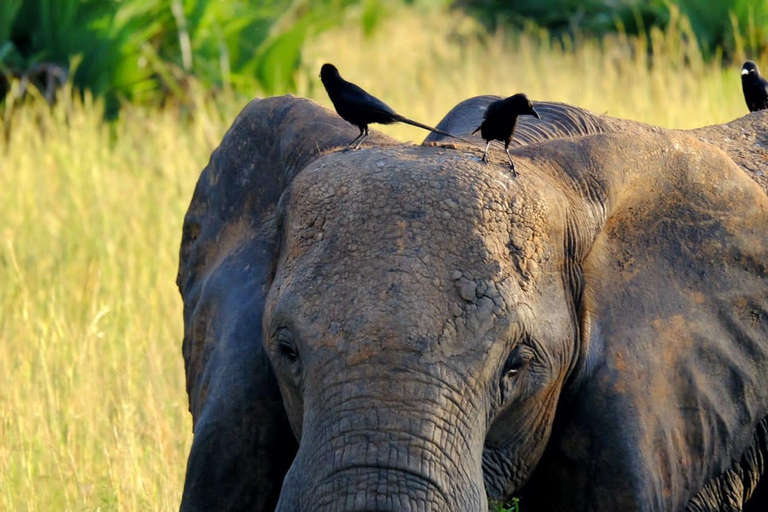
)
(515, 362)
(286, 345)
(510, 386)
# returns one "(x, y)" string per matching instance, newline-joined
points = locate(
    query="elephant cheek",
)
(515, 443)
(294, 407)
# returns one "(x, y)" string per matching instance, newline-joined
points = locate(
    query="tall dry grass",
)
(92, 404)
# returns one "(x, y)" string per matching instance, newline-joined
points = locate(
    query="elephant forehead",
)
(417, 202)
(411, 229)
(362, 188)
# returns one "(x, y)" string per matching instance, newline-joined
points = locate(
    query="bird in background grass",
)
(359, 108)
(499, 122)
(755, 87)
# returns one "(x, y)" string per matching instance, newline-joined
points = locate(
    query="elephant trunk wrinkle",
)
(414, 437)
(383, 449)
(451, 417)
(422, 457)
(389, 488)
(409, 475)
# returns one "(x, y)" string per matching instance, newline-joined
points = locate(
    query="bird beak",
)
(535, 114)
(744, 71)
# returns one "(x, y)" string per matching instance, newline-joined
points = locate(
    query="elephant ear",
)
(558, 121)
(270, 141)
(243, 443)
(672, 288)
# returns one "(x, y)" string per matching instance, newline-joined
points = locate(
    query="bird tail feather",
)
(405, 120)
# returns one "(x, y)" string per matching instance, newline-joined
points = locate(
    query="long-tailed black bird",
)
(359, 108)
(499, 122)
(755, 87)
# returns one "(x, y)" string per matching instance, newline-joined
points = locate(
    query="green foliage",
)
(278, 57)
(8, 10)
(738, 26)
(8, 54)
(511, 506)
(147, 50)
(373, 11)
(560, 17)
(108, 39)
(735, 26)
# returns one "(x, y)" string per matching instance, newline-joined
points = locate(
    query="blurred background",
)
(109, 110)
(161, 52)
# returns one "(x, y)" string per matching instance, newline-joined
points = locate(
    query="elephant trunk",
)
(418, 451)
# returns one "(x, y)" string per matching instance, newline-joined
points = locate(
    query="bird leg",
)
(511, 163)
(485, 153)
(351, 144)
(362, 137)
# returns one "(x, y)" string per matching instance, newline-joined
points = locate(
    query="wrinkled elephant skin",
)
(403, 328)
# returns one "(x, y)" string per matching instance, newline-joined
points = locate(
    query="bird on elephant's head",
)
(500, 119)
(358, 107)
(405, 328)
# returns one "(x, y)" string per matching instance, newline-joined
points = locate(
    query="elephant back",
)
(745, 140)
(558, 121)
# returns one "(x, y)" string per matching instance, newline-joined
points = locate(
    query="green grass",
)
(147, 51)
(512, 506)
(92, 406)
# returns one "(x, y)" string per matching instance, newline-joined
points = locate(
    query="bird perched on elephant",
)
(407, 329)
(358, 107)
(754, 87)
(499, 120)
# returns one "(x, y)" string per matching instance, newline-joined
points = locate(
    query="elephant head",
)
(404, 328)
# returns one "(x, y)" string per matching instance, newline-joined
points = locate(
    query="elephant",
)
(403, 328)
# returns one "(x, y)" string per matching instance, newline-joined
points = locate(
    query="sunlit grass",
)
(92, 403)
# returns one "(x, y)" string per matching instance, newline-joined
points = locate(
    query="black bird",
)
(359, 108)
(500, 119)
(754, 86)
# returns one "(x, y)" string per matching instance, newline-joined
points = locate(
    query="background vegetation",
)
(92, 406)
(147, 51)
(732, 26)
